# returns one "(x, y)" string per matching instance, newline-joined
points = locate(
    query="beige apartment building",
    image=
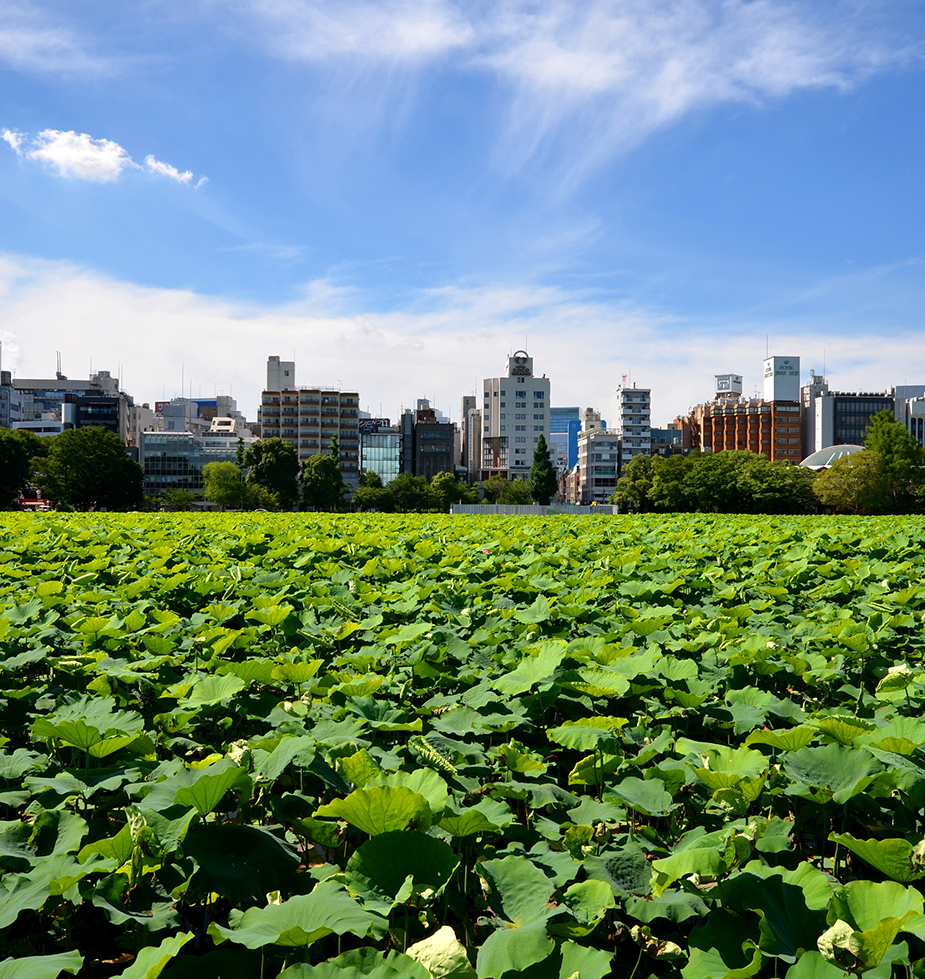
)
(308, 417)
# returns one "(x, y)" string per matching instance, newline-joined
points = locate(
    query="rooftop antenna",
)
(58, 375)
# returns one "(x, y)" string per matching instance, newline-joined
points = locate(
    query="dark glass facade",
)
(852, 414)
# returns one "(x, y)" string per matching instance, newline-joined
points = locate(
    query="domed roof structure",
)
(825, 457)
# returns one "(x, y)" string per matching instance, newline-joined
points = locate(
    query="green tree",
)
(412, 494)
(274, 465)
(899, 459)
(89, 467)
(224, 485)
(854, 484)
(373, 498)
(15, 466)
(449, 490)
(370, 479)
(634, 488)
(775, 487)
(507, 492)
(517, 493)
(178, 499)
(323, 486)
(543, 480)
(670, 492)
(493, 487)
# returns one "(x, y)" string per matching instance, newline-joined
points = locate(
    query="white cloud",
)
(29, 41)
(166, 170)
(78, 155)
(443, 342)
(387, 30)
(582, 82)
(13, 139)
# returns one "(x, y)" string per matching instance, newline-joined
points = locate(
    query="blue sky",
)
(400, 193)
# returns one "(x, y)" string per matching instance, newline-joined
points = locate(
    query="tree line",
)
(89, 468)
(888, 476)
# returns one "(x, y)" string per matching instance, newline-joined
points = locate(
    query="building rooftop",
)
(825, 457)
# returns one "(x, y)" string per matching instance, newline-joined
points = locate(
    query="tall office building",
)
(634, 422)
(564, 426)
(309, 417)
(515, 412)
(467, 404)
(434, 442)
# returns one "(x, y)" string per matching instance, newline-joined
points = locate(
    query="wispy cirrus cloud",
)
(393, 31)
(83, 157)
(584, 82)
(31, 41)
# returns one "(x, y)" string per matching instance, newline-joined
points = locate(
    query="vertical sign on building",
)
(782, 379)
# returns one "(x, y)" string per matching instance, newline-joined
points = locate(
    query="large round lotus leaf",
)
(361, 963)
(443, 955)
(647, 796)
(242, 863)
(864, 903)
(829, 772)
(380, 809)
(152, 961)
(520, 889)
(512, 950)
(41, 966)
(625, 871)
(378, 870)
(898, 859)
(301, 920)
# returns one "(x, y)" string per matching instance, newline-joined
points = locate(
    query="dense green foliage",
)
(543, 480)
(273, 466)
(445, 747)
(412, 494)
(714, 482)
(15, 466)
(89, 467)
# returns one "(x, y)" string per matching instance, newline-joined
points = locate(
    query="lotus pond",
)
(446, 747)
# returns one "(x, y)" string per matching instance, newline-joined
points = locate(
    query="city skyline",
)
(398, 195)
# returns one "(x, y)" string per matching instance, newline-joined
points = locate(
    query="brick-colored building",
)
(771, 428)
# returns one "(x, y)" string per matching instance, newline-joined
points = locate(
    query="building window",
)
(503, 427)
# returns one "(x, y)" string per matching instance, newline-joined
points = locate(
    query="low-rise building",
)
(380, 448)
(598, 465)
(10, 401)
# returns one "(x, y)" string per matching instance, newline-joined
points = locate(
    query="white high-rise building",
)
(782, 379)
(280, 374)
(515, 412)
(634, 421)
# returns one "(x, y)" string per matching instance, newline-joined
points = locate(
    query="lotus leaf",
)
(301, 920)
(380, 809)
(390, 867)
(41, 966)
